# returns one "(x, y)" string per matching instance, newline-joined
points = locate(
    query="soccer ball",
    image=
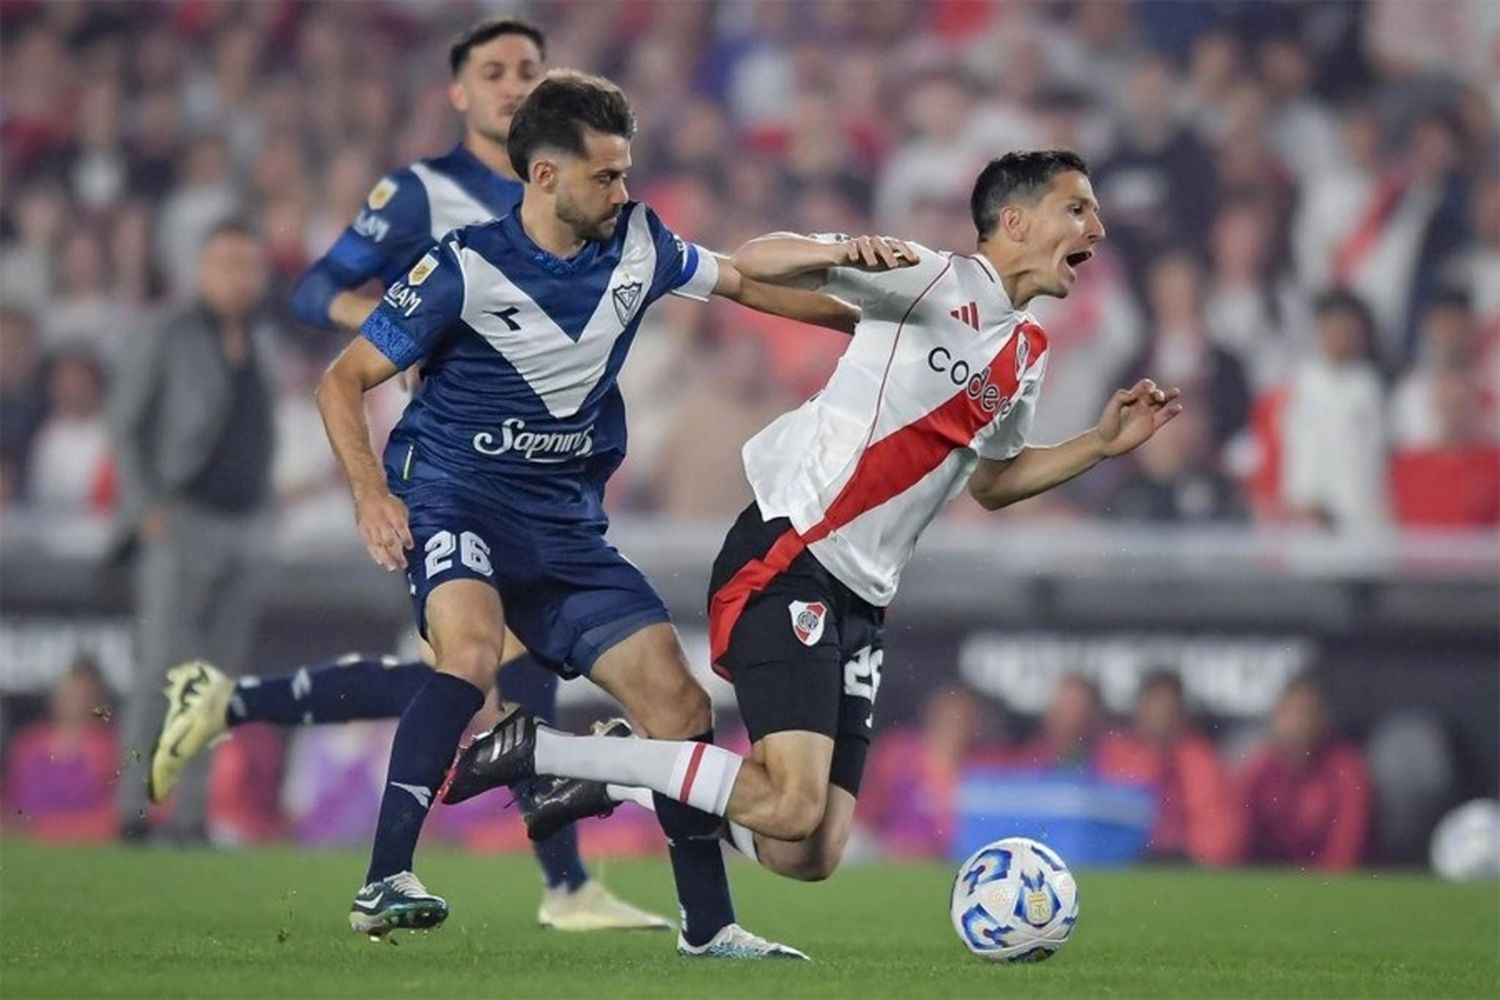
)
(1466, 844)
(1014, 901)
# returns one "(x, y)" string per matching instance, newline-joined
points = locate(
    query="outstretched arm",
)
(778, 300)
(1130, 418)
(788, 257)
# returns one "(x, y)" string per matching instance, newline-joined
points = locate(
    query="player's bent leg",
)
(782, 793)
(648, 674)
(464, 624)
(816, 857)
(573, 899)
(782, 796)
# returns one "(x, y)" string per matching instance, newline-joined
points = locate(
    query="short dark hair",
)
(555, 114)
(489, 30)
(1017, 176)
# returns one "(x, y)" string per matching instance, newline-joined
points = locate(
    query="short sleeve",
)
(1014, 423)
(883, 295)
(420, 308)
(682, 268)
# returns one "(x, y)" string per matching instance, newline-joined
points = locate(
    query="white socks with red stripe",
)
(740, 837)
(700, 775)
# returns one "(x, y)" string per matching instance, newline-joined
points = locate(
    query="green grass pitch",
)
(155, 923)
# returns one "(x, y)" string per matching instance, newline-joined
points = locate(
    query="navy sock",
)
(697, 866)
(534, 687)
(562, 866)
(422, 750)
(351, 687)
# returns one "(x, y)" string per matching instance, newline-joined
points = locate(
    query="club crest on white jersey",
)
(807, 620)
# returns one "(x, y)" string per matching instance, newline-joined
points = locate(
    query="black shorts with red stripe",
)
(802, 650)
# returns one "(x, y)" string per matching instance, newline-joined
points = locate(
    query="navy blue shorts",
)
(568, 594)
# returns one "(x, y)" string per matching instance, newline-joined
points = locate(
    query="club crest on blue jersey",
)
(627, 296)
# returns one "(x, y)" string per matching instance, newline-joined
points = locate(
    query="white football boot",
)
(733, 941)
(592, 907)
(198, 695)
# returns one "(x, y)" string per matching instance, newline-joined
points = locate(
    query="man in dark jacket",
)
(194, 433)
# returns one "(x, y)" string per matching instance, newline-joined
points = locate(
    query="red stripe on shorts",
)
(728, 602)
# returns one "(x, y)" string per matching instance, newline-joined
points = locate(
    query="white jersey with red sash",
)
(942, 371)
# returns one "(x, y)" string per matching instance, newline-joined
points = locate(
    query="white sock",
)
(743, 839)
(700, 775)
(642, 797)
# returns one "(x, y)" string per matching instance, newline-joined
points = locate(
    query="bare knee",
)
(797, 813)
(648, 674)
(674, 707)
(815, 867)
(809, 861)
(470, 657)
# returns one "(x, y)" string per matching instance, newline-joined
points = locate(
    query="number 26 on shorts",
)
(472, 552)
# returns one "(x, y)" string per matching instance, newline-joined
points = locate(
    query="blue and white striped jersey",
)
(520, 351)
(403, 214)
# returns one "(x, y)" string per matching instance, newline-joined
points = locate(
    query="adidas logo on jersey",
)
(968, 313)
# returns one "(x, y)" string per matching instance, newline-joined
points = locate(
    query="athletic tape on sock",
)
(743, 840)
(630, 793)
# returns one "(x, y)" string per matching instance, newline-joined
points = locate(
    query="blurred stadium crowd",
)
(1294, 792)
(1303, 211)
(1302, 204)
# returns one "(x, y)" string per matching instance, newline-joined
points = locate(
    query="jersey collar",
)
(543, 258)
(994, 276)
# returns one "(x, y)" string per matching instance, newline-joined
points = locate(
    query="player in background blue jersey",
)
(495, 64)
(493, 480)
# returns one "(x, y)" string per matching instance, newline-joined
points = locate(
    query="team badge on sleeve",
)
(421, 269)
(807, 620)
(381, 194)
